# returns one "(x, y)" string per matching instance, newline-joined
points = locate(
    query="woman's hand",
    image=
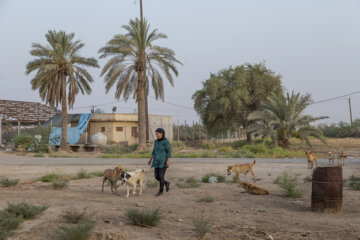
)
(149, 162)
(168, 162)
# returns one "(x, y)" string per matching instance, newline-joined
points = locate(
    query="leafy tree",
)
(59, 66)
(281, 118)
(228, 97)
(341, 129)
(135, 63)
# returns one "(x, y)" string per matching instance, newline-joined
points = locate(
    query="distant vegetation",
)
(341, 129)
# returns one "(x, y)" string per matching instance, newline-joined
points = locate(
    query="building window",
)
(119, 129)
(134, 132)
(102, 129)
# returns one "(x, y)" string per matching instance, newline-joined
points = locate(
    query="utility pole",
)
(178, 128)
(350, 112)
(141, 11)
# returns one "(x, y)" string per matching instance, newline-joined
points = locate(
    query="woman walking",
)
(160, 159)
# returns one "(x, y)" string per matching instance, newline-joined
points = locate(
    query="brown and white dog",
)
(252, 189)
(311, 157)
(133, 178)
(113, 175)
(242, 168)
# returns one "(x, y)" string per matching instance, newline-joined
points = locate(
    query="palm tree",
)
(282, 118)
(58, 66)
(134, 63)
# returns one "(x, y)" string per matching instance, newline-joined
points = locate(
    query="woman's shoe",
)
(159, 194)
(167, 185)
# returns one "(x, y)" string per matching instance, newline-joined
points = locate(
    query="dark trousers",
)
(160, 176)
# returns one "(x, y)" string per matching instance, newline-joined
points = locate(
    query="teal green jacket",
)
(161, 152)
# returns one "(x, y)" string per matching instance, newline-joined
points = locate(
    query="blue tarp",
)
(73, 133)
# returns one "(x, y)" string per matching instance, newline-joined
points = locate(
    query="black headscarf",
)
(160, 130)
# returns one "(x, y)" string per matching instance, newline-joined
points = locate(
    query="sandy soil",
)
(233, 214)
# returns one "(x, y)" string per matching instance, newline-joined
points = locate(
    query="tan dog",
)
(311, 157)
(331, 157)
(252, 189)
(242, 168)
(113, 175)
(341, 158)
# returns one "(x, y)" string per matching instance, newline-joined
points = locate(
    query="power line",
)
(334, 98)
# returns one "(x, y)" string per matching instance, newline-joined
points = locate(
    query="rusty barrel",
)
(327, 189)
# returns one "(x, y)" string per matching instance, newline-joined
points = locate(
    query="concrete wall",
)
(120, 127)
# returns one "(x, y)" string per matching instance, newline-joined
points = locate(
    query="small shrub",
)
(39, 155)
(201, 226)
(82, 173)
(225, 149)
(207, 199)
(23, 140)
(50, 177)
(8, 223)
(205, 178)
(235, 179)
(190, 182)
(354, 182)
(81, 231)
(208, 145)
(144, 218)
(152, 184)
(97, 173)
(289, 184)
(6, 182)
(60, 185)
(25, 210)
(180, 179)
(308, 179)
(178, 145)
(75, 217)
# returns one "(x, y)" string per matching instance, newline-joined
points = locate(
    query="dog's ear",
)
(122, 175)
(128, 176)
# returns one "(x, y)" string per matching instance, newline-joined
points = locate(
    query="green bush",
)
(8, 223)
(51, 177)
(81, 231)
(74, 216)
(23, 140)
(225, 149)
(152, 184)
(82, 173)
(144, 217)
(205, 178)
(97, 173)
(354, 182)
(190, 182)
(207, 199)
(25, 210)
(6, 182)
(178, 145)
(60, 185)
(208, 145)
(288, 182)
(201, 227)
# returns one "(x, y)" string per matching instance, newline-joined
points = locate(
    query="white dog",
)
(133, 178)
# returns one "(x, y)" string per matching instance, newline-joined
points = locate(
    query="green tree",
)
(134, 63)
(59, 66)
(228, 97)
(281, 118)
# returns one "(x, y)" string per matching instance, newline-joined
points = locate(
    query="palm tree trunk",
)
(147, 116)
(64, 122)
(248, 138)
(141, 111)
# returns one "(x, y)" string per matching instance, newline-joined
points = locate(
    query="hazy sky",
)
(314, 45)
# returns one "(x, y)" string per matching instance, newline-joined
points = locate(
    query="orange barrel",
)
(327, 189)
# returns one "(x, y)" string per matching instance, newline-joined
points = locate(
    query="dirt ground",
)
(233, 214)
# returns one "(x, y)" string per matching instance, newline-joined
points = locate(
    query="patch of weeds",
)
(8, 223)
(308, 179)
(82, 173)
(6, 182)
(60, 185)
(354, 182)
(25, 210)
(51, 177)
(152, 184)
(180, 179)
(205, 178)
(178, 145)
(97, 173)
(208, 145)
(225, 149)
(207, 199)
(190, 182)
(201, 227)
(39, 155)
(74, 216)
(235, 179)
(288, 182)
(144, 218)
(80, 231)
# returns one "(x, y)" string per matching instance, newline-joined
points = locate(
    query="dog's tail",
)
(254, 162)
